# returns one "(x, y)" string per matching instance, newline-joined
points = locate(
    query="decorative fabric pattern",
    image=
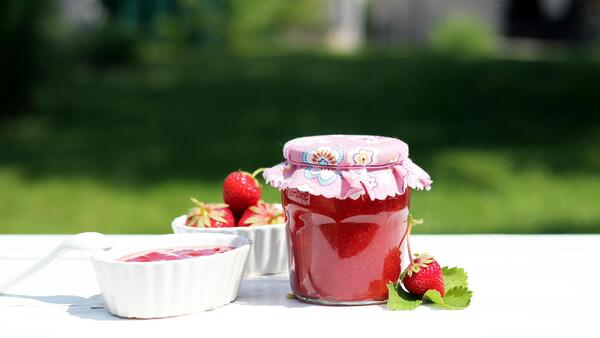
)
(345, 150)
(364, 157)
(347, 166)
(377, 183)
(323, 156)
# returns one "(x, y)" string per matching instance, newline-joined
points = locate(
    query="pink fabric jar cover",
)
(347, 166)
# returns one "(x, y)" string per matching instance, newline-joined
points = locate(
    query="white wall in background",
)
(77, 14)
(347, 24)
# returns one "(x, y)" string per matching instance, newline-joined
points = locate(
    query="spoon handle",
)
(34, 268)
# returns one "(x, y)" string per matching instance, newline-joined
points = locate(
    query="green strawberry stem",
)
(405, 235)
(410, 256)
(196, 202)
(256, 172)
(411, 220)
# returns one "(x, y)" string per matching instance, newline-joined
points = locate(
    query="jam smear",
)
(172, 254)
(344, 250)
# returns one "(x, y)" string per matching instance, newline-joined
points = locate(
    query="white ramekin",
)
(171, 288)
(269, 247)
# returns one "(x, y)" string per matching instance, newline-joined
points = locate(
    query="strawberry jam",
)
(172, 254)
(344, 251)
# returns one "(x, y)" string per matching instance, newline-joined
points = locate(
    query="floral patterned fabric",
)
(347, 166)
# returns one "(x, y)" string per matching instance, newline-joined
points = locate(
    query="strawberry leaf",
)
(434, 297)
(398, 299)
(219, 205)
(256, 219)
(454, 277)
(217, 216)
(458, 297)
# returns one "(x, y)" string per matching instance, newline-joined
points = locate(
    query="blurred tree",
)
(201, 22)
(464, 36)
(109, 45)
(267, 22)
(21, 60)
(220, 23)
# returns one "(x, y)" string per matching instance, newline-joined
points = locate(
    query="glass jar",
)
(346, 202)
(344, 251)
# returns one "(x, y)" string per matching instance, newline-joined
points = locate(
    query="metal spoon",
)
(82, 241)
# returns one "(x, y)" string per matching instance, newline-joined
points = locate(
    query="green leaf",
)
(454, 277)
(434, 297)
(219, 205)
(458, 297)
(398, 299)
(455, 299)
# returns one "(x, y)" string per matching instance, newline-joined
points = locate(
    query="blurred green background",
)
(114, 113)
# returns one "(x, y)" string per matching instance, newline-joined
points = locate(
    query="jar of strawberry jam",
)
(346, 200)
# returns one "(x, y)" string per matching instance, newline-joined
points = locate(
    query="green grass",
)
(513, 146)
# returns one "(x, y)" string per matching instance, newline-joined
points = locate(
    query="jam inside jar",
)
(344, 251)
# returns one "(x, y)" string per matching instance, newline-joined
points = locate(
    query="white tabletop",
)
(523, 286)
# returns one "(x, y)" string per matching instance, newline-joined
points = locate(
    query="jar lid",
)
(347, 166)
(345, 151)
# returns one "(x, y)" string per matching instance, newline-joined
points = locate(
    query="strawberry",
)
(349, 239)
(260, 214)
(210, 215)
(241, 190)
(423, 274)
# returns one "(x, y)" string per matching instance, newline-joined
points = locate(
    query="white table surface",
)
(524, 286)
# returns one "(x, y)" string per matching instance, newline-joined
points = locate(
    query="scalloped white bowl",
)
(269, 247)
(171, 288)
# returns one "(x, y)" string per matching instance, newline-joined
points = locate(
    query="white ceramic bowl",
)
(269, 247)
(171, 288)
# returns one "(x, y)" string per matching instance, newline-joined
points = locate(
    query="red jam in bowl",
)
(344, 250)
(172, 254)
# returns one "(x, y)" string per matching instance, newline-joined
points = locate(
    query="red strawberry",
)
(209, 215)
(423, 274)
(349, 238)
(261, 214)
(241, 190)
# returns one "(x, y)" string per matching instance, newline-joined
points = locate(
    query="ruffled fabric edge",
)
(378, 183)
